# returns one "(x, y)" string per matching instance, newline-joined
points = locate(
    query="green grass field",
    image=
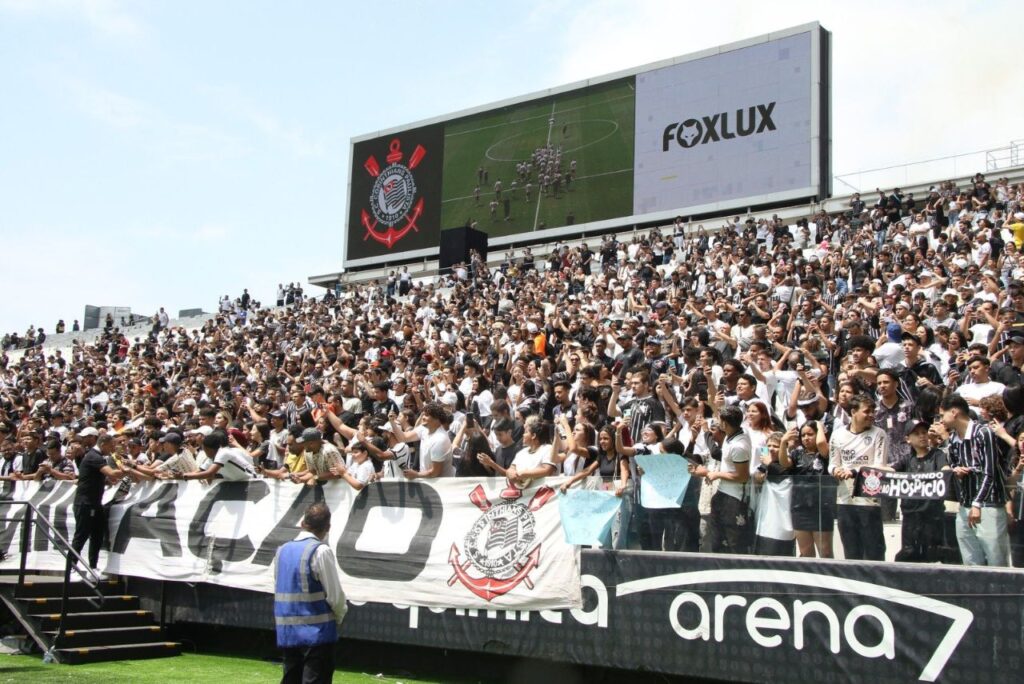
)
(595, 127)
(194, 669)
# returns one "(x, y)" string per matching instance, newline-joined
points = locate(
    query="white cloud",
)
(110, 108)
(106, 17)
(902, 91)
(291, 137)
(162, 135)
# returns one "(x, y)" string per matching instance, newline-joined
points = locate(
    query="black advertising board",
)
(395, 200)
(741, 618)
(751, 619)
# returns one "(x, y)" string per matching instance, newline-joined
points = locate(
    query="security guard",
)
(309, 603)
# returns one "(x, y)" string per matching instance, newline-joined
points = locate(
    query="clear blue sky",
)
(159, 153)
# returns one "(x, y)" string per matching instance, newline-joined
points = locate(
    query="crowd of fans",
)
(778, 360)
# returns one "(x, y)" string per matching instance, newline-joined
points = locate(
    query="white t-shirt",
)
(979, 390)
(361, 471)
(234, 464)
(889, 355)
(436, 447)
(735, 449)
(527, 460)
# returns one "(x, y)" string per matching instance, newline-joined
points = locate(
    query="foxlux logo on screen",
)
(715, 127)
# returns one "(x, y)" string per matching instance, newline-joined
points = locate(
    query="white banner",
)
(447, 543)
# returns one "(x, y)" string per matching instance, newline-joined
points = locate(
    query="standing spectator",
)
(850, 449)
(813, 502)
(981, 524)
(729, 525)
(435, 444)
(922, 519)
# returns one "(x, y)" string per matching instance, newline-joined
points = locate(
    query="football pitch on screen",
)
(593, 126)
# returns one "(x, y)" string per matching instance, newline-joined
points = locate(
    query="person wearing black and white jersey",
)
(395, 458)
(981, 524)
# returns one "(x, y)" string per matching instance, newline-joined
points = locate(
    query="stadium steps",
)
(99, 654)
(95, 630)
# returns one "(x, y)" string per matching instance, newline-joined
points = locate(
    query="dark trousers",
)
(675, 529)
(91, 525)
(642, 528)
(860, 529)
(308, 664)
(729, 525)
(1017, 545)
(766, 546)
(920, 536)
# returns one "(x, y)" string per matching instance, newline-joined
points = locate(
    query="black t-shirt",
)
(504, 456)
(932, 462)
(31, 461)
(91, 479)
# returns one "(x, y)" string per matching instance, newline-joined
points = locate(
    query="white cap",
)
(89, 432)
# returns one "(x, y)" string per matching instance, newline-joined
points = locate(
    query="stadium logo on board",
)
(393, 200)
(500, 544)
(715, 127)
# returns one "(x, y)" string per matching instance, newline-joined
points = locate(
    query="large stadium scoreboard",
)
(740, 125)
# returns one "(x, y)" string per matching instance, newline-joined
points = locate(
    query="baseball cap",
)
(914, 424)
(89, 432)
(311, 435)
(171, 438)
(203, 430)
(277, 414)
(911, 336)
(1016, 337)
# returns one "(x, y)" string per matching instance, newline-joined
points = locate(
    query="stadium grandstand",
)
(812, 408)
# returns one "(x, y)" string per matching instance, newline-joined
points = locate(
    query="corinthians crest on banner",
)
(502, 544)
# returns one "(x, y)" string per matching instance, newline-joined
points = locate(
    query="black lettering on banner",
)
(53, 502)
(398, 567)
(726, 135)
(216, 549)
(134, 525)
(666, 137)
(710, 134)
(766, 117)
(12, 515)
(745, 130)
(715, 127)
(287, 528)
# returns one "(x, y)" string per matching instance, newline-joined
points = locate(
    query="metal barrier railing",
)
(32, 518)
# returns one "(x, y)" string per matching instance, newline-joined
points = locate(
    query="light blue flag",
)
(587, 516)
(664, 480)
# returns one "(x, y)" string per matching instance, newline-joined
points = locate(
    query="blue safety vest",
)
(301, 612)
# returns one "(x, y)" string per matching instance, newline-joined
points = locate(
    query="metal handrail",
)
(63, 546)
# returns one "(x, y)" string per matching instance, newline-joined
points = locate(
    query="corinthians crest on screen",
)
(500, 546)
(393, 201)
